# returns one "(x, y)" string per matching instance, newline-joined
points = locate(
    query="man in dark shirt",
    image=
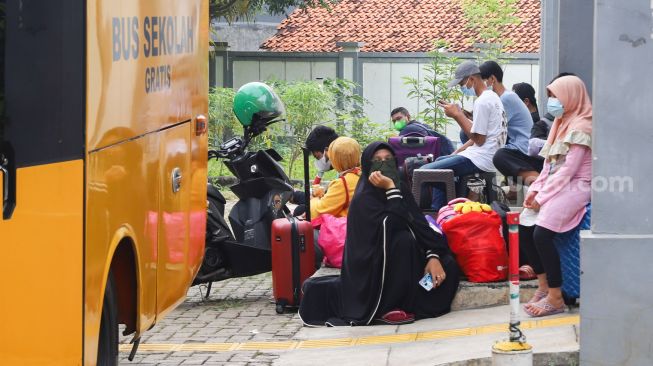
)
(405, 125)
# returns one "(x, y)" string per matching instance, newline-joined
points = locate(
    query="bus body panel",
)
(122, 204)
(41, 271)
(173, 272)
(144, 68)
(94, 124)
(142, 101)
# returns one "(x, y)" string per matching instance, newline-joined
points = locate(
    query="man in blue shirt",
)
(513, 159)
(405, 125)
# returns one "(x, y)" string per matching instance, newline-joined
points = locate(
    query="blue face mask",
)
(489, 87)
(470, 92)
(554, 107)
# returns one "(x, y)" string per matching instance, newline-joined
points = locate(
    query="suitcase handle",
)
(412, 140)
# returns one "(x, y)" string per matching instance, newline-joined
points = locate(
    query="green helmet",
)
(257, 102)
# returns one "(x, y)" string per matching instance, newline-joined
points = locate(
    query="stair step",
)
(472, 295)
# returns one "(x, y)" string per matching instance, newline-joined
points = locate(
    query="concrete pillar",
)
(220, 73)
(617, 272)
(349, 65)
(566, 41)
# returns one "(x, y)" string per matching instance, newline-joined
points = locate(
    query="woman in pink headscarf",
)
(561, 192)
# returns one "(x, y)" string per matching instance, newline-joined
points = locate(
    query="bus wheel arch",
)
(123, 267)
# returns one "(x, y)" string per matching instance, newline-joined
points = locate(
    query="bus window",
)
(4, 162)
(2, 68)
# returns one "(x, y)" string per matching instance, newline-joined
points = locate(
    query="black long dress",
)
(384, 259)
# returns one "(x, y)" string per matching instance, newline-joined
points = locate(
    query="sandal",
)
(526, 273)
(395, 317)
(537, 296)
(545, 308)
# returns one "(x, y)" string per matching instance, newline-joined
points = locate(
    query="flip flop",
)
(527, 273)
(537, 296)
(396, 317)
(545, 307)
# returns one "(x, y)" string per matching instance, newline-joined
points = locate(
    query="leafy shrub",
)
(333, 102)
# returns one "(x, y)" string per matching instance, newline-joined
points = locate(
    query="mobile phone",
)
(426, 282)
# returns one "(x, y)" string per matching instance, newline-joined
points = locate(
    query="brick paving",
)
(238, 310)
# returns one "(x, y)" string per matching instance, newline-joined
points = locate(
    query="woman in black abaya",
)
(388, 249)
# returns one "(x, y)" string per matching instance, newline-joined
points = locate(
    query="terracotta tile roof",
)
(395, 26)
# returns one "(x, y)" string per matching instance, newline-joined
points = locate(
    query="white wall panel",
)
(516, 73)
(244, 72)
(324, 70)
(298, 70)
(219, 73)
(399, 91)
(273, 70)
(376, 81)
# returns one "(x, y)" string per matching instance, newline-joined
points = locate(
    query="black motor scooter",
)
(263, 189)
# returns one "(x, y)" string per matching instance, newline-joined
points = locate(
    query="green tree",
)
(222, 123)
(222, 120)
(233, 10)
(490, 19)
(307, 103)
(433, 88)
(349, 113)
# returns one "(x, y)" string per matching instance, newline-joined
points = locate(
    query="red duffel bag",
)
(476, 241)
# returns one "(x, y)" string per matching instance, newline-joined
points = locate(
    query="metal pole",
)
(515, 351)
(513, 229)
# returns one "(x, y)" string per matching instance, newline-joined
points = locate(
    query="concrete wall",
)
(243, 36)
(566, 41)
(247, 35)
(245, 71)
(617, 275)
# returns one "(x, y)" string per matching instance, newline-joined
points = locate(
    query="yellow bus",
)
(103, 150)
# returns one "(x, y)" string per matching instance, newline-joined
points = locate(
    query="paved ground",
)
(238, 310)
(238, 326)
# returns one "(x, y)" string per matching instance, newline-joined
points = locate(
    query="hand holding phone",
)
(426, 282)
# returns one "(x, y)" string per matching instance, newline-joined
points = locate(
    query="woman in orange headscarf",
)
(561, 192)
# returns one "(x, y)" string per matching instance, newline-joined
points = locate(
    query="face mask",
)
(400, 124)
(323, 164)
(489, 87)
(470, 92)
(554, 107)
(388, 168)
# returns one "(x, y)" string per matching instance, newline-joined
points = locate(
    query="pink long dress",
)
(564, 190)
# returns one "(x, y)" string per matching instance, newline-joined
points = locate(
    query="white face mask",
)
(323, 164)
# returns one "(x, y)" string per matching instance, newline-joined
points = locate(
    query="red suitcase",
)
(293, 260)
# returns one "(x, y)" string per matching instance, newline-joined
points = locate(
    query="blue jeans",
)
(463, 137)
(460, 165)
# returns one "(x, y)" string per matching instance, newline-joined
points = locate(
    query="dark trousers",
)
(537, 243)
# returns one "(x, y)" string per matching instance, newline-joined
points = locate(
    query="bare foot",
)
(547, 306)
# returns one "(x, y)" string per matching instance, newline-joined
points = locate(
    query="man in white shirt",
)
(487, 132)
